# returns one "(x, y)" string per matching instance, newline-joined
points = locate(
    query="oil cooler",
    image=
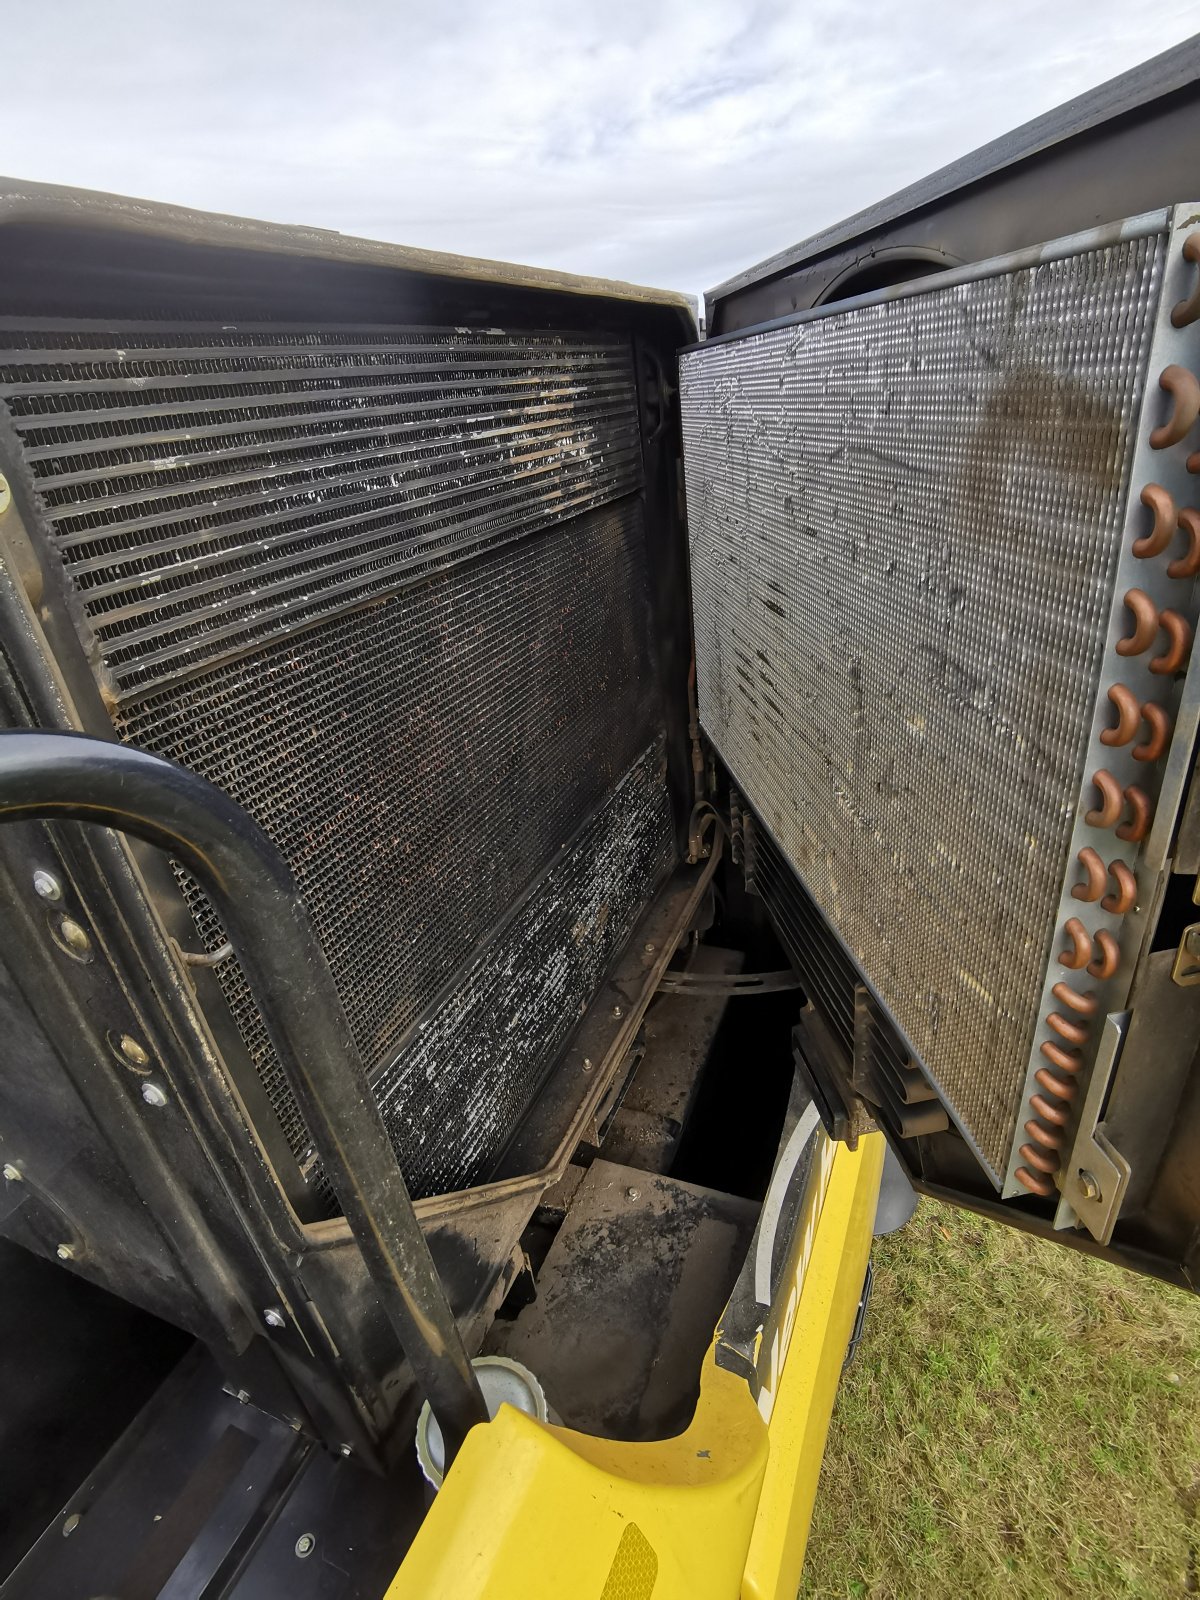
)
(944, 568)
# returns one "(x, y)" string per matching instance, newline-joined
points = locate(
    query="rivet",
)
(5, 494)
(305, 1545)
(153, 1095)
(74, 937)
(134, 1053)
(71, 1524)
(46, 885)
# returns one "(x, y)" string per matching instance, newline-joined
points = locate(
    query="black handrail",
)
(67, 776)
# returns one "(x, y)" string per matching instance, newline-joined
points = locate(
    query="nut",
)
(1089, 1185)
(46, 885)
(306, 1544)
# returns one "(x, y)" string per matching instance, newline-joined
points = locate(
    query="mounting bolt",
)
(242, 1396)
(65, 1252)
(305, 1545)
(1089, 1185)
(13, 1174)
(587, 1063)
(46, 885)
(346, 1450)
(650, 947)
(71, 1523)
(633, 1194)
(616, 1011)
(274, 1318)
(153, 1095)
(136, 1055)
(74, 937)
(5, 494)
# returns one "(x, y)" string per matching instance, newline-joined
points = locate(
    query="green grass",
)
(1019, 1421)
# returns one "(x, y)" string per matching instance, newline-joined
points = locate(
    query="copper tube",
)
(1184, 390)
(1162, 503)
(1188, 309)
(1179, 643)
(1050, 1110)
(1188, 564)
(1109, 809)
(1124, 897)
(1159, 724)
(1041, 1159)
(1080, 952)
(1086, 1005)
(1138, 826)
(1072, 1032)
(1145, 624)
(1050, 1137)
(1129, 714)
(1062, 1087)
(1034, 1182)
(1095, 876)
(1066, 1060)
(1109, 957)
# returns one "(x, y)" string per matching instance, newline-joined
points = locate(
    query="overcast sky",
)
(670, 144)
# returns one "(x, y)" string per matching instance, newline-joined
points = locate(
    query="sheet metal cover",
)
(904, 523)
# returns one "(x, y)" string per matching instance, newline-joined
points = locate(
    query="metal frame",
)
(72, 777)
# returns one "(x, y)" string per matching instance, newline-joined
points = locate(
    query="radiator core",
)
(908, 518)
(388, 587)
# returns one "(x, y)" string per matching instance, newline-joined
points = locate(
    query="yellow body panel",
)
(531, 1512)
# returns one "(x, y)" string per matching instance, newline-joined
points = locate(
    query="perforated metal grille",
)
(209, 488)
(483, 1054)
(904, 522)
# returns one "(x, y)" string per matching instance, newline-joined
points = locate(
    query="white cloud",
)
(670, 144)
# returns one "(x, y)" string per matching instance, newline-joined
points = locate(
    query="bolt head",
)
(153, 1095)
(13, 1174)
(633, 1194)
(65, 1252)
(136, 1055)
(616, 1011)
(587, 1063)
(274, 1318)
(74, 936)
(305, 1545)
(650, 947)
(46, 885)
(1090, 1186)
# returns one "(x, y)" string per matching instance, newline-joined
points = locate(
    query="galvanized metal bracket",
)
(1186, 970)
(1096, 1175)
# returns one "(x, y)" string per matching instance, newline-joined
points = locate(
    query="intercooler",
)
(387, 587)
(944, 584)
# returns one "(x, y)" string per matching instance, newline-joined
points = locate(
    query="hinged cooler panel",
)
(912, 522)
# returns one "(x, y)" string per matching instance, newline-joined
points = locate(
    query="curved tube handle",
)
(1129, 714)
(1095, 876)
(1188, 564)
(1108, 957)
(1138, 826)
(1159, 724)
(1145, 623)
(1079, 950)
(1179, 644)
(1109, 809)
(1123, 897)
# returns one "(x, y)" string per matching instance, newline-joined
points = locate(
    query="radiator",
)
(388, 588)
(914, 521)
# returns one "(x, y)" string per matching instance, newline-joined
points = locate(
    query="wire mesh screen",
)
(387, 588)
(905, 519)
